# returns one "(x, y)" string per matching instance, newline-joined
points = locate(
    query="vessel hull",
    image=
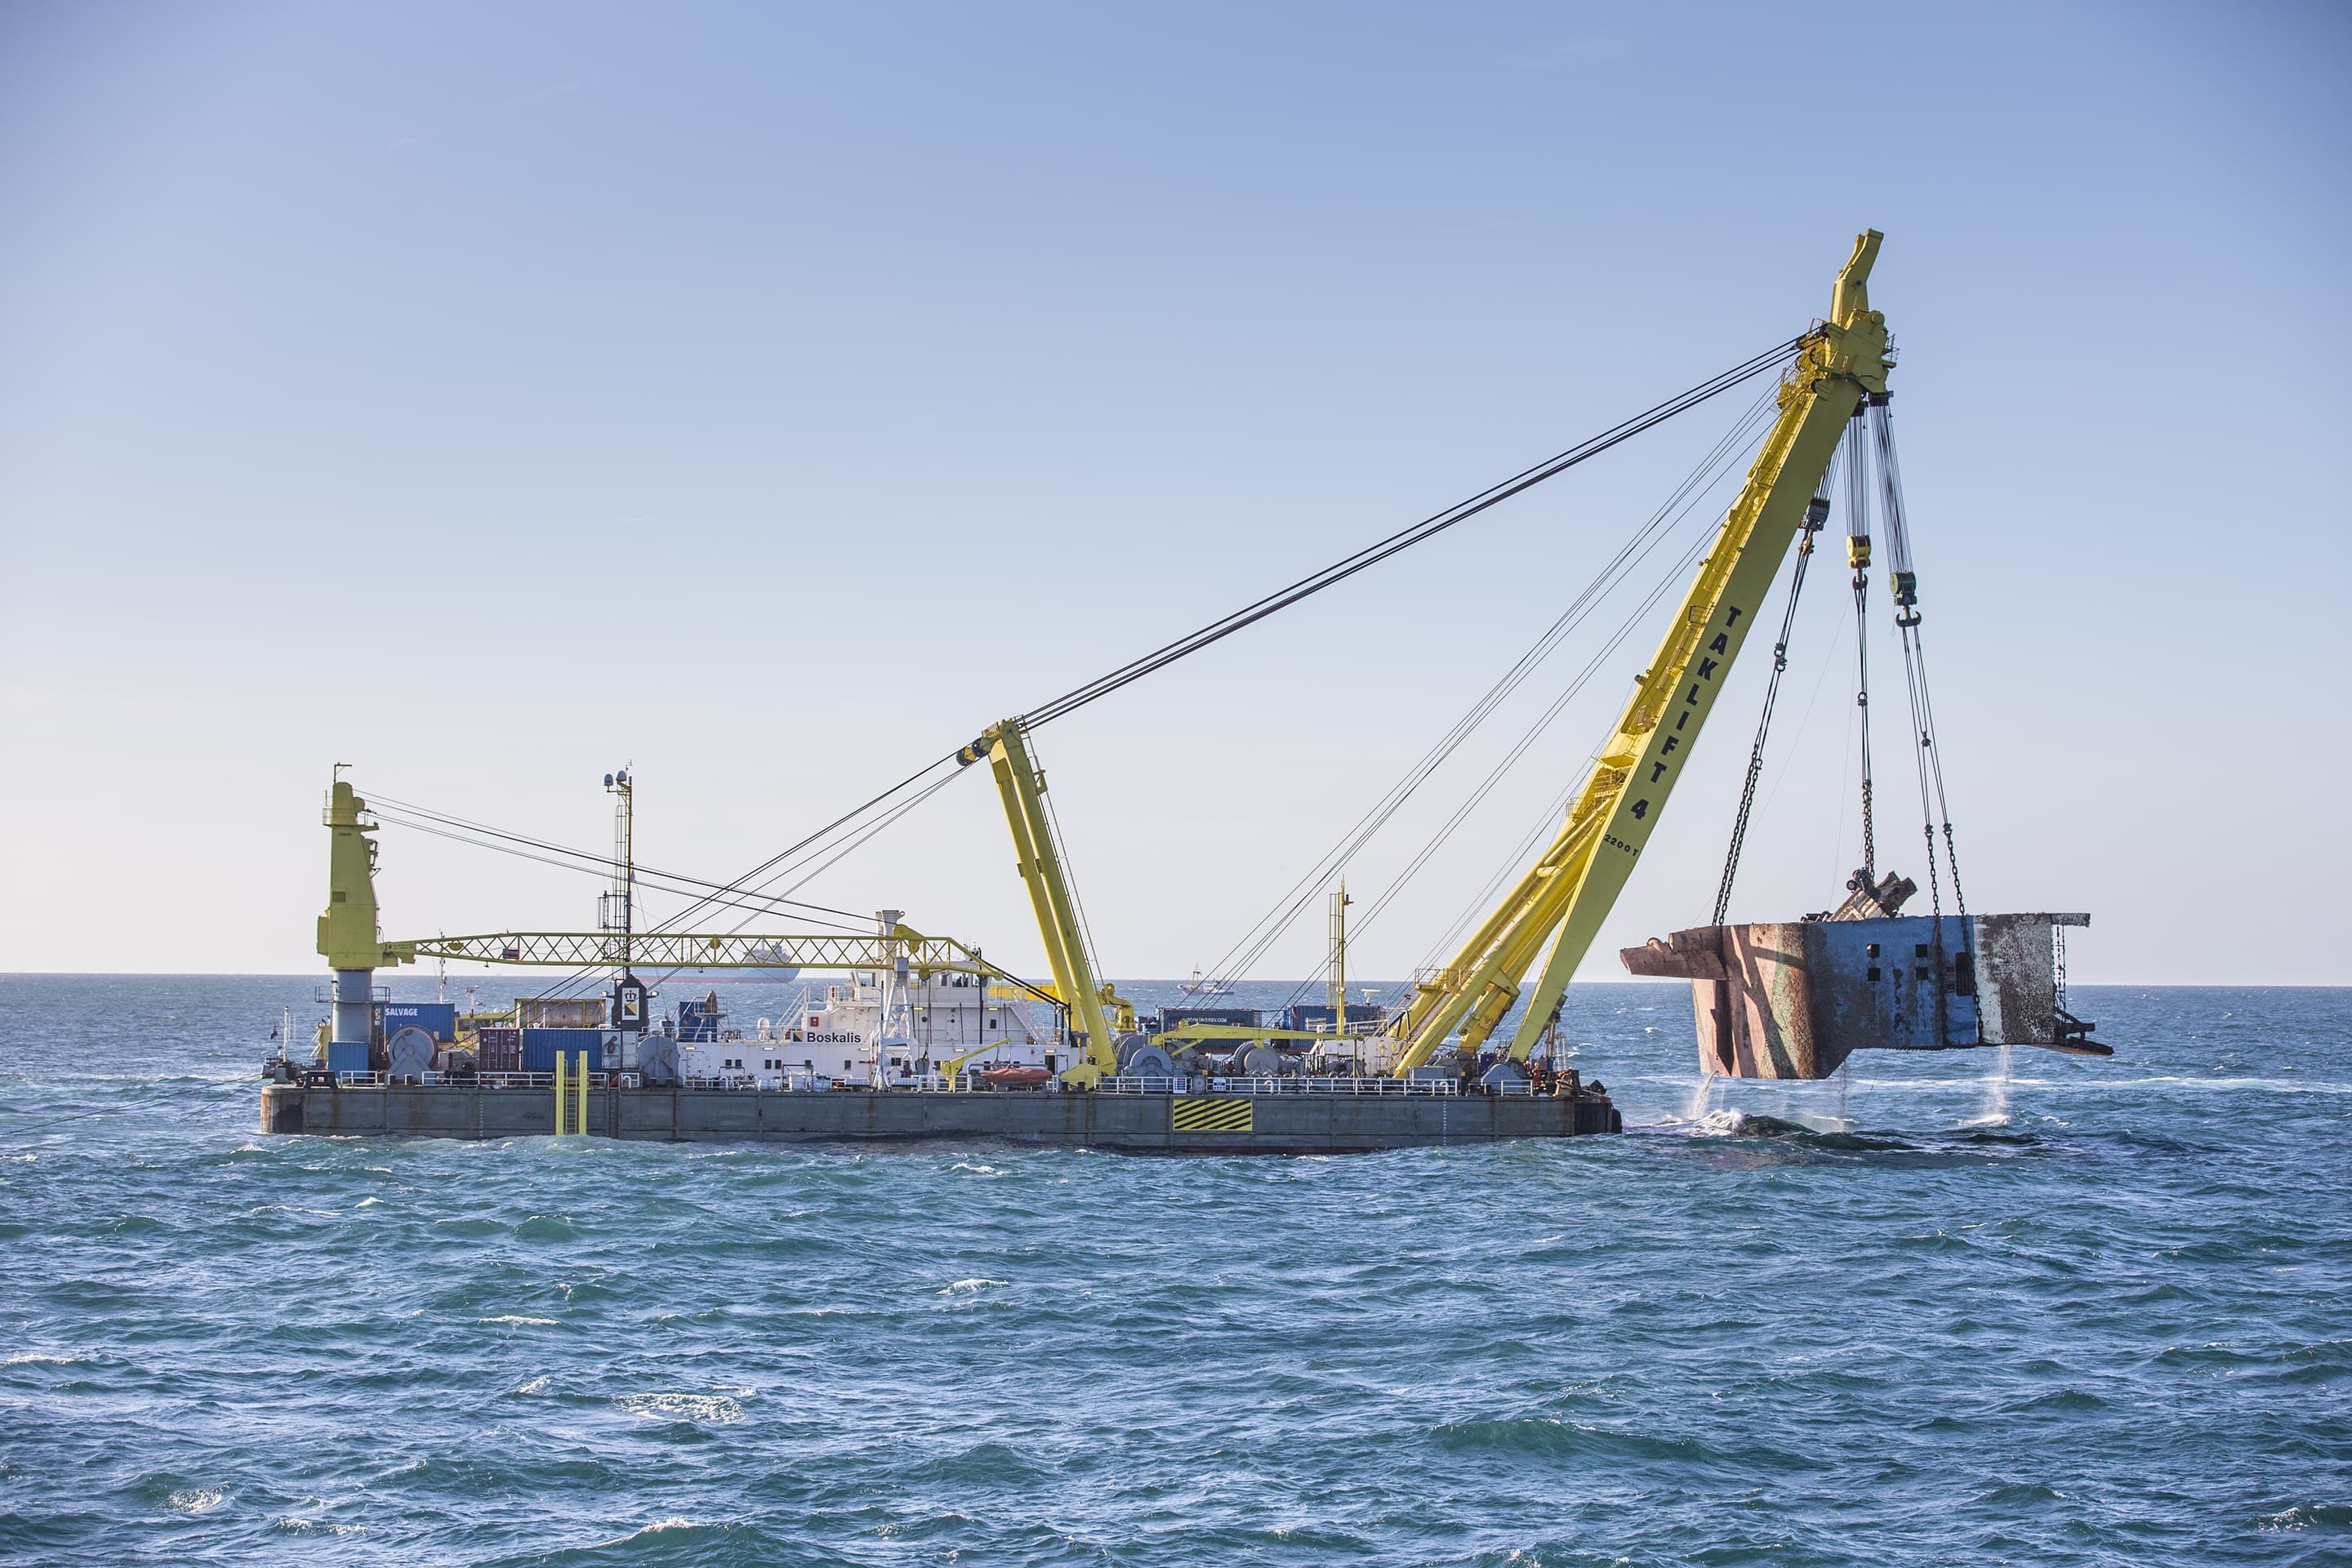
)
(1154, 1124)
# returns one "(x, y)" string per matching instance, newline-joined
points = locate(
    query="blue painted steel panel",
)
(540, 1046)
(1896, 964)
(440, 1018)
(349, 1058)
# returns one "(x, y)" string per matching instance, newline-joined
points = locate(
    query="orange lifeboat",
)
(1016, 1077)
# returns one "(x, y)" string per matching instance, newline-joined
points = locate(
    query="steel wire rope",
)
(592, 864)
(1764, 721)
(1543, 827)
(1070, 879)
(1515, 860)
(1495, 776)
(1405, 538)
(411, 808)
(1534, 732)
(1305, 587)
(167, 1099)
(1624, 629)
(867, 834)
(1856, 448)
(1804, 725)
(1882, 420)
(817, 839)
(1928, 758)
(1696, 487)
(863, 835)
(1287, 908)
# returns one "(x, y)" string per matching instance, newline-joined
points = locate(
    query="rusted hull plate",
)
(1793, 999)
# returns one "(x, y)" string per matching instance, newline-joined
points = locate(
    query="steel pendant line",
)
(816, 842)
(1696, 488)
(424, 819)
(1338, 572)
(1445, 832)
(1816, 512)
(656, 881)
(1255, 943)
(1216, 631)
(863, 834)
(1404, 539)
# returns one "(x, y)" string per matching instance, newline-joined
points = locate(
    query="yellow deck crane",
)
(1567, 893)
(1093, 1006)
(1555, 910)
(1563, 897)
(350, 940)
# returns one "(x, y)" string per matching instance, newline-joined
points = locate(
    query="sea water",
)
(2094, 1313)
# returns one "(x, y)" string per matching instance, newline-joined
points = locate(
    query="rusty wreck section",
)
(1793, 999)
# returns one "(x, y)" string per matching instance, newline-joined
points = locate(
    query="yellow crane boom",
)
(1567, 893)
(1022, 786)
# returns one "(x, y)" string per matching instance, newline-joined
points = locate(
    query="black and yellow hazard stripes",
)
(1213, 1113)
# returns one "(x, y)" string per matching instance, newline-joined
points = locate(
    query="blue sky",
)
(484, 395)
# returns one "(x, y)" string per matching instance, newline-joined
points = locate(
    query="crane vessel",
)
(921, 1036)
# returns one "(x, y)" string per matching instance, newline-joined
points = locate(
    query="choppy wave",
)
(2090, 1315)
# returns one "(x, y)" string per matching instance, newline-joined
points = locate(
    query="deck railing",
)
(936, 1084)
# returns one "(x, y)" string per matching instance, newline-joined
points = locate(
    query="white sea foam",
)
(658, 1527)
(715, 1407)
(1725, 1123)
(203, 1500)
(972, 1287)
(516, 1320)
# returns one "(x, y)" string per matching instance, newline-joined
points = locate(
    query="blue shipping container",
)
(440, 1017)
(540, 1046)
(697, 1026)
(349, 1058)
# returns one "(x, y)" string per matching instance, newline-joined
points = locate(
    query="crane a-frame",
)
(1557, 907)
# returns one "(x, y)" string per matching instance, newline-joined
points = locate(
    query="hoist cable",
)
(1404, 539)
(1816, 514)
